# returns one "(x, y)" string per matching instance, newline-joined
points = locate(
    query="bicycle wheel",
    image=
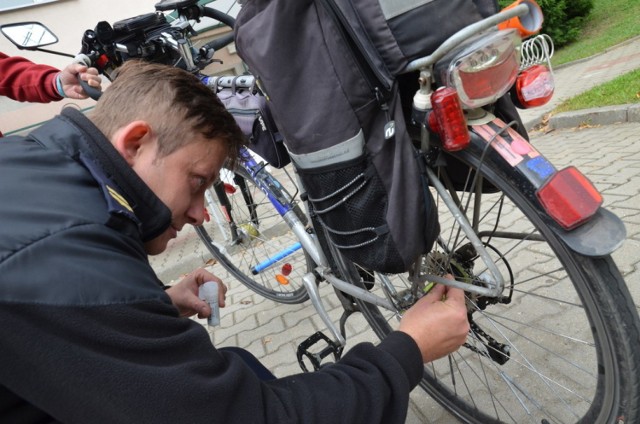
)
(561, 346)
(257, 247)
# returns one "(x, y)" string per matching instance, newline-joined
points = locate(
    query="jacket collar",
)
(154, 216)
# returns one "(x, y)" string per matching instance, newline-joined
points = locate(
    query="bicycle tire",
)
(572, 329)
(258, 240)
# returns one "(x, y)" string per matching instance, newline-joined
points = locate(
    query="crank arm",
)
(309, 281)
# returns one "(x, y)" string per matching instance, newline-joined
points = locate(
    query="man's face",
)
(180, 180)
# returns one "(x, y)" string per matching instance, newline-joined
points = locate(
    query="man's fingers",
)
(455, 294)
(436, 293)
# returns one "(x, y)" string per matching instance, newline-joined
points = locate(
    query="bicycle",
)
(553, 327)
(256, 243)
(579, 284)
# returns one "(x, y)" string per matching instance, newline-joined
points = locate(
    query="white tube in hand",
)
(209, 293)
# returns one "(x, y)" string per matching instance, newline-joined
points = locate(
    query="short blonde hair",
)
(174, 103)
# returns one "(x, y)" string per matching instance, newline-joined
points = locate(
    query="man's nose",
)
(196, 213)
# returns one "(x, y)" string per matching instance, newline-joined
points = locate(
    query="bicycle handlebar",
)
(151, 37)
(225, 19)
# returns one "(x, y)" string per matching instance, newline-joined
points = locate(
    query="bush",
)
(563, 19)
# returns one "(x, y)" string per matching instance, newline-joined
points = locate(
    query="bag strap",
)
(380, 85)
(381, 88)
(234, 89)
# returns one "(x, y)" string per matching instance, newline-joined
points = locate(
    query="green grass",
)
(622, 90)
(610, 22)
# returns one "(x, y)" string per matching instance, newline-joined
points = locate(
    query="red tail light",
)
(447, 119)
(569, 198)
(534, 87)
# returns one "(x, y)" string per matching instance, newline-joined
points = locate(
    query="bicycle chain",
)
(496, 351)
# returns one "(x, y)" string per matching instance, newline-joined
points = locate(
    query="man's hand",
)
(184, 295)
(437, 322)
(69, 79)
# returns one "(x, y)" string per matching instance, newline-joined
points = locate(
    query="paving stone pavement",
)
(609, 155)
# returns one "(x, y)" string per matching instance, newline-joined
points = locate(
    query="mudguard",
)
(528, 169)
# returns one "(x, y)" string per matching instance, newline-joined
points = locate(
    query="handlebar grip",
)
(92, 92)
(219, 43)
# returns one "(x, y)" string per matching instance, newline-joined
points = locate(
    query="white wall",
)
(68, 19)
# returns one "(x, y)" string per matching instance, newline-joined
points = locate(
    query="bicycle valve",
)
(209, 293)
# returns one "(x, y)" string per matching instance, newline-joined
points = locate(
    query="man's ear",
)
(131, 139)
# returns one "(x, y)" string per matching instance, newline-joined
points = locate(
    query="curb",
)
(608, 49)
(596, 116)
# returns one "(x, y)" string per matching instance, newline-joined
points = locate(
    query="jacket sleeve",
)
(25, 81)
(124, 356)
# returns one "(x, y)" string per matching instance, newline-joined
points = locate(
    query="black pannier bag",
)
(328, 68)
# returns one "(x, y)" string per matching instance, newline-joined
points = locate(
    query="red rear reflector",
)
(229, 189)
(534, 86)
(450, 120)
(569, 198)
(286, 269)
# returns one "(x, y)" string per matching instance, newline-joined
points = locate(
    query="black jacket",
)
(87, 334)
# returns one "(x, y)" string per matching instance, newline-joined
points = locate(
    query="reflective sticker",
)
(521, 147)
(511, 145)
(518, 143)
(499, 144)
(393, 8)
(541, 166)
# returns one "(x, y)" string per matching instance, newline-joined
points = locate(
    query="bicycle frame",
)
(494, 283)
(282, 203)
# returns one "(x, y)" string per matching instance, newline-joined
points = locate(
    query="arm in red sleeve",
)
(25, 81)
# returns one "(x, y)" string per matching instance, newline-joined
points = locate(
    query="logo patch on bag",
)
(389, 130)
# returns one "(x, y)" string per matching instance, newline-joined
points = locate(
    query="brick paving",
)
(608, 155)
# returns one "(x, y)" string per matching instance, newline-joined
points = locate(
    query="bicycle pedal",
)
(315, 358)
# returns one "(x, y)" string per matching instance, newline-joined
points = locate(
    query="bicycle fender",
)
(601, 235)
